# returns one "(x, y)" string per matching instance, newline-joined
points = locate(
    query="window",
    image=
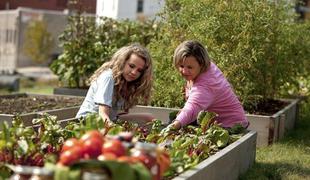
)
(140, 6)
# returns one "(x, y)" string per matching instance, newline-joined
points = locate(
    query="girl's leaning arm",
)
(104, 112)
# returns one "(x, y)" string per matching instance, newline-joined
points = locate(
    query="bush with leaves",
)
(258, 45)
(87, 45)
(38, 41)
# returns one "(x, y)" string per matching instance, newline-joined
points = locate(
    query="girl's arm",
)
(104, 112)
(199, 98)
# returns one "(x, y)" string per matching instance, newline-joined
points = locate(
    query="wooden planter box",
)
(61, 113)
(269, 128)
(70, 91)
(272, 128)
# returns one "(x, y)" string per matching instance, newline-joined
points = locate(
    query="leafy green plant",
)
(80, 52)
(87, 45)
(38, 41)
(258, 45)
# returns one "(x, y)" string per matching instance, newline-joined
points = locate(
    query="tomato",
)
(115, 147)
(128, 159)
(147, 160)
(92, 147)
(92, 134)
(107, 156)
(70, 156)
(68, 144)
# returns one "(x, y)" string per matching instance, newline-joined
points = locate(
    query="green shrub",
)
(86, 45)
(258, 45)
(38, 41)
(79, 57)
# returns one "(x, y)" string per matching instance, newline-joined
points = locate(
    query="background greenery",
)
(259, 45)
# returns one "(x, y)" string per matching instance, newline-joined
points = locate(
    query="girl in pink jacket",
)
(206, 88)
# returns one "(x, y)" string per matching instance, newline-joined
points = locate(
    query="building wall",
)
(8, 40)
(88, 5)
(56, 22)
(12, 36)
(152, 7)
(107, 8)
(127, 9)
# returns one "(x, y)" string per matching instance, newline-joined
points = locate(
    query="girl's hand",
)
(176, 124)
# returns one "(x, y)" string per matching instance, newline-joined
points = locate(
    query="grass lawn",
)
(34, 87)
(47, 89)
(289, 158)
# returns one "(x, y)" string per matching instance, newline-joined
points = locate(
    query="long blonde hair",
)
(138, 90)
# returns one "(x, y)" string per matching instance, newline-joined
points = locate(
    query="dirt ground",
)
(21, 104)
(266, 107)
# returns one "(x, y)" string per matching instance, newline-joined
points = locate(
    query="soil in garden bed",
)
(28, 104)
(265, 106)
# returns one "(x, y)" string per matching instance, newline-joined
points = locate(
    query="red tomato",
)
(68, 144)
(92, 147)
(107, 156)
(92, 134)
(115, 147)
(128, 159)
(147, 160)
(70, 156)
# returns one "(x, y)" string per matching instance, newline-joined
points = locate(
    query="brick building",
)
(59, 5)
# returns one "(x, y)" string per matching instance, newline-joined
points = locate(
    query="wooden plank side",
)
(27, 118)
(260, 124)
(159, 112)
(63, 113)
(291, 116)
(228, 163)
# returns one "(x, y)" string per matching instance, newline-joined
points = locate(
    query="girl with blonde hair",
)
(119, 84)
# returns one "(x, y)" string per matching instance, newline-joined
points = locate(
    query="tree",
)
(38, 41)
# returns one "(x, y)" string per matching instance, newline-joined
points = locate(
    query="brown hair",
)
(140, 89)
(192, 48)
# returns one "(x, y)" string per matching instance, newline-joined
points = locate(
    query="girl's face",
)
(189, 68)
(133, 68)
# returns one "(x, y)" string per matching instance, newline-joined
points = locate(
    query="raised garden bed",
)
(272, 128)
(269, 128)
(30, 106)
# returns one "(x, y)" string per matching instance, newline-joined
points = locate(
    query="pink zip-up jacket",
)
(212, 92)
